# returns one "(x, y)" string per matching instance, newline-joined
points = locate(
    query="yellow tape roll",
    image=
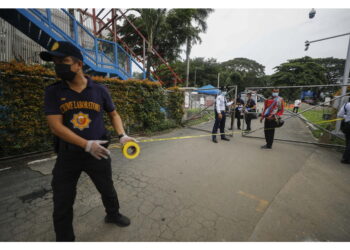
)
(131, 150)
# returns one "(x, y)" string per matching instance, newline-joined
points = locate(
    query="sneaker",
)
(214, 140)
(225, 139)
(119, 220)
(265, 147)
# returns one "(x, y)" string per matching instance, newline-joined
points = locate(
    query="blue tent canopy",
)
(208, 89)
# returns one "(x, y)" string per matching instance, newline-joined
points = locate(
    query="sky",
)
(267, 31)
(273, 36)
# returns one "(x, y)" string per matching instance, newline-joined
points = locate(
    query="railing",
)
(100, 55)
(14, 45)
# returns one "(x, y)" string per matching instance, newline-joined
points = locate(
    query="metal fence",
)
(329, 136)
(14, 45)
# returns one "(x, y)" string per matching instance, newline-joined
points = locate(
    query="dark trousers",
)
(269, 131)
(346, 155)
(238, 117)
(219, 123)
(66, 173)
(248, 120)
(295, 109)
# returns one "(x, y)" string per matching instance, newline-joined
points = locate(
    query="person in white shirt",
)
(220, 115)
(344, 112)
(297, 104)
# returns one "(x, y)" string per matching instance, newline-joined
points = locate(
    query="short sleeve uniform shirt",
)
(82, 112)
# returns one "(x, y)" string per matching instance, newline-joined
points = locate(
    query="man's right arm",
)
(57, 128)
(341, 112)
(218, 104)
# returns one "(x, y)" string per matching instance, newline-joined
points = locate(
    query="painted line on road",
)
(42, 160)
(3, 169)
(263, 204)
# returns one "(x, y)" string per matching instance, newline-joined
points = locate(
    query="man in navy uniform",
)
(249, 110)
(74, 109)
(220, 115)
(239, 104)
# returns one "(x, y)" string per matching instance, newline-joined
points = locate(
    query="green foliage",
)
(298, 72)
(175, 104)
(166, 31)
(203, 72)
(334, 68)
(317, 116)
(244, 66)
(23, 126)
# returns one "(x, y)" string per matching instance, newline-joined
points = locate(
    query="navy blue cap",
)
(61, 49)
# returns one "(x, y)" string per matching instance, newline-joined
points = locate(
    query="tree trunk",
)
(149, 55)
(188, 51)
(148, 65)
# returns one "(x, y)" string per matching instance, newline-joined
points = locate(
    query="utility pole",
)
(218, 80)
(195, 76)
(346, 73)
(344, 88)
(312, 14)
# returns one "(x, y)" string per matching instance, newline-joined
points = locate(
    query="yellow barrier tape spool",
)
(133, 147)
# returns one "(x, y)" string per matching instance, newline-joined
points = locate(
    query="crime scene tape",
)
(329, 121)
(131, 150)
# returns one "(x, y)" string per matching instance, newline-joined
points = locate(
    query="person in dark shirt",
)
(273, 109)
(74, 109)
(239, 104)
(249, 111)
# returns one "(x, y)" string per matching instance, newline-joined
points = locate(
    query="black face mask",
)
(64, 72)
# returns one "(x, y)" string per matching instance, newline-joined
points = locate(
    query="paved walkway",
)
(195, 190)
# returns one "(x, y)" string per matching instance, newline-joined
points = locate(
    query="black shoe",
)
(265, 147)
(119, 220)
(345, 161)
(214, 140)
(225, 139)
(230, 129)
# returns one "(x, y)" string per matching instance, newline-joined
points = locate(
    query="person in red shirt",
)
(273, 109)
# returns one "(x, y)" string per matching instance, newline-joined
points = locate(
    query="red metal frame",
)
(99, 25)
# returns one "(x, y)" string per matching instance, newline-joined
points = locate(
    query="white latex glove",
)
(126, 138)
(96, 150)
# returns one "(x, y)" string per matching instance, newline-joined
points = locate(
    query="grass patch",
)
(315, 116)
(198, 119)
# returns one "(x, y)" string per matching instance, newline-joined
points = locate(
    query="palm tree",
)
(198, 17)
(152, 20)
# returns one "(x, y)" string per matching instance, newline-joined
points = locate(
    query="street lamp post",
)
(195, 76)
(346, 72)
(312, 14)
(218, 80)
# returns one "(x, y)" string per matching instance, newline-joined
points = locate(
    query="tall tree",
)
(244, 72)
(196, 24)
(168, 32)
(334, 68)
(297, 72)
(152, 20)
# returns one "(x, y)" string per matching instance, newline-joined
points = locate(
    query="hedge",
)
(143, 105)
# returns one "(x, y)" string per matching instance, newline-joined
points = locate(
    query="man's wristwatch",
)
(122, 135)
